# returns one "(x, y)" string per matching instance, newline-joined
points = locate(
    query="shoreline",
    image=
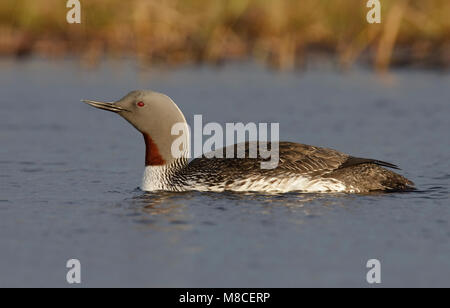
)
(282, 34)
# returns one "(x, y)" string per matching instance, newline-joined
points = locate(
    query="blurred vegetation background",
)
(281, 33)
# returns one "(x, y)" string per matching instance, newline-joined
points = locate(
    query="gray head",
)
(153, 114)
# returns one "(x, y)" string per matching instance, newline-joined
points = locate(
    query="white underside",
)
(154, 180)
(279, 186)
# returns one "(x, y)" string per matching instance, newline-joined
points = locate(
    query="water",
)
(69, 178)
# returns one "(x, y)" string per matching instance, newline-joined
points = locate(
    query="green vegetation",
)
(281, 33)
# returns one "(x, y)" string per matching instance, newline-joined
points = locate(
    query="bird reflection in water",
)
(160, 208)
(183, 210)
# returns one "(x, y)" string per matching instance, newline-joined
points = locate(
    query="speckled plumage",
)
(300, 168)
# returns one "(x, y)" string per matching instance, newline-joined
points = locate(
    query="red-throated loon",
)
(300, 167)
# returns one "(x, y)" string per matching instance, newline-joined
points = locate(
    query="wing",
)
(293, 158)
(309, 160)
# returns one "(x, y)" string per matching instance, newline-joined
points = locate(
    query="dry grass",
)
(281, 33)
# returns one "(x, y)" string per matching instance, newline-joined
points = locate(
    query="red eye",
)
(141, 104)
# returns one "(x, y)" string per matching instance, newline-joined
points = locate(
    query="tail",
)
(396, 182)
(370, 176)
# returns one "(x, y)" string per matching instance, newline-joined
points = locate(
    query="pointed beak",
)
(105, 106)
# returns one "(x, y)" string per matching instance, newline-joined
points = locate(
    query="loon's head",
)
(160, 121)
